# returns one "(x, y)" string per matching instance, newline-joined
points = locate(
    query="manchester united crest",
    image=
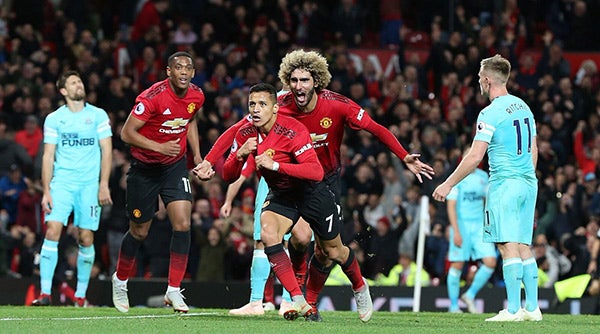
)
(191, 107)
(137, 213)
(270, 152)
(325, 122)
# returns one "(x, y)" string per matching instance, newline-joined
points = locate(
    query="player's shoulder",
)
(155, 90)
(481, 173)
(246, 129)
(195, 90)
(333, 97)
(286, 100)
(290, 122)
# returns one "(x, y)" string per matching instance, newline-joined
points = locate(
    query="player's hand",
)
(47, 203)
(204, 170)
(457, 239)
(104, 196)
(170, 148)
(264, 161)
(225, 209)
(418, 167)
(440, 193)
(249, 146)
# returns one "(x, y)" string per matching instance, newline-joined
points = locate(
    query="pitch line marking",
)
(115, 317)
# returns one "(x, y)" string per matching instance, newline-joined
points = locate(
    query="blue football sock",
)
(530, 281)
(453, 286)
(85, 262)
(49, 258)
(259, 272)
(482, 276)
(513, 277)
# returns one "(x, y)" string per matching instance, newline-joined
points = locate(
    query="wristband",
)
(275, 166)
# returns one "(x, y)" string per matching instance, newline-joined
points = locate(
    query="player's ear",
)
(275, 108)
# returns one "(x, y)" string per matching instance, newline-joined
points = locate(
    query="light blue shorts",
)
(81, 199)
(473, 247)
(510, 211)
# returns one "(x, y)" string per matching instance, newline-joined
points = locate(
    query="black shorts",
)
(317, 206)
(145, 182)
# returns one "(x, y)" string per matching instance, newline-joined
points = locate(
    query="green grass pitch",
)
(46, 320)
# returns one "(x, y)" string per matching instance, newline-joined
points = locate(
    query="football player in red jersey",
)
(158, 129)
(282, 151)
(326, 114)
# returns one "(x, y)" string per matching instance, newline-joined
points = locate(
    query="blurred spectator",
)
(11, 186)
(213, 250)
(30, 137)
(553, 264)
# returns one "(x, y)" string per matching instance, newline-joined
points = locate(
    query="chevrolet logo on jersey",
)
(175, 123)
(319, 140)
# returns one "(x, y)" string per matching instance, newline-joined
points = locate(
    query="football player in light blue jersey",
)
(76, 166)
(506, 130)
(466, 205)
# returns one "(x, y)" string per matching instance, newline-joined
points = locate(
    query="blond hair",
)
(496, 66)
(309, 61)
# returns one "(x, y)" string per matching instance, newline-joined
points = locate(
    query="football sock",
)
(352, 271)
(482, 276)
(180, 249)
(127, 253)
(281, 265)
(317, 275)
(85, 262)
(49, 258)
(259, 272)
(453, 286)
(530, 281)
(513, 277)
(299, 263)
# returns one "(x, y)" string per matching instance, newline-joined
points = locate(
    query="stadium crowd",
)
(430, 104)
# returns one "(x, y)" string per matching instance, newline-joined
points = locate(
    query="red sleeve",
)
(307, 168)
(386, 137)
(233, 167)
(223, 143)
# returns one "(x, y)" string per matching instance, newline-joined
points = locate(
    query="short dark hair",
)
(264, 87)
(179, 54)
(62, 80)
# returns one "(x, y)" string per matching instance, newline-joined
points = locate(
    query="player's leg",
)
(298, 244)
(142, 203)
(531, 310)
(179, 214)
(457, 257)
(276, 219)
(87, 219)
(453, 285)
(260, 268)
(62, 199)
(176, 194)
(499, 227)
(487, 252)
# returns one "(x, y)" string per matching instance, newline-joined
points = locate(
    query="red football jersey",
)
(289, 143)
(327, 121)
(167, 117)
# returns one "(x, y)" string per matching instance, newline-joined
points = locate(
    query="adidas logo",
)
(167, 112)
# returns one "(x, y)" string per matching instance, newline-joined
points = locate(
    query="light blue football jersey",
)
(508, 126)
(470, 195)
(77, 138)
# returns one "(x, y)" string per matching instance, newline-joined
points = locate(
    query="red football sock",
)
(269, 293)
(352, 270)
(281, 265)
(177, 268)
(317, 275)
